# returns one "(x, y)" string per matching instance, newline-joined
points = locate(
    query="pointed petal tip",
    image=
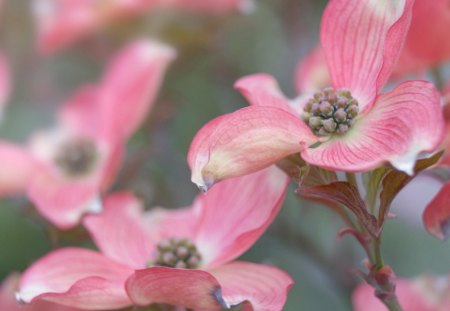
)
(19, 299)
(204, 183)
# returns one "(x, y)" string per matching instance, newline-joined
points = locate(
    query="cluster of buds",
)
(76, 157)
(330, 112)
(177, 253)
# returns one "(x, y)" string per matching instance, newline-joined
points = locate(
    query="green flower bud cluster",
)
(177, 253)
(331, 112)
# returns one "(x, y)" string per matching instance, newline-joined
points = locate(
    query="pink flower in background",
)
(8, 301)
(62, 22)
(311, 73)
(5, 84)
(358, 129)
(427, 42)
(180, 257)
(63, 170)
(425, 293)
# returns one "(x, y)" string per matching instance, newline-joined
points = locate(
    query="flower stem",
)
(393, 304)
(378, 257)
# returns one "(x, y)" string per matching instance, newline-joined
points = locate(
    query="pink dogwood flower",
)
(347, 127)
(63, 170)
(8, 301)
(425, 293)
(62, 22)
(180, 257)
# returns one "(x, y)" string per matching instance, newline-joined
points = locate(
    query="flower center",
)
(331, 112)
(76, 157)
(177, 253)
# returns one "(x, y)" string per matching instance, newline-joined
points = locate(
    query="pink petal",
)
(429, 17)
(8, 301)
(262, 90)
(245, 141)
(173, 223)
(76, 277)
(16, 167)
(410, 298)
(264, 287)
(82, 114)
(119, 231)
(61, 201)
(131, 84)
(194, 289)
(61, 22)
(403, 123)
(312, 72)
(236, 212)
(436, 216)
(5, 83)
(362, 40)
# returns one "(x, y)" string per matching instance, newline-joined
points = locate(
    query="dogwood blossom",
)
(180, 257)
(350, 126)
(63, 170)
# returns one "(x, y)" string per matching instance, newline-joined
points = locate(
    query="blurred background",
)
(214, 50)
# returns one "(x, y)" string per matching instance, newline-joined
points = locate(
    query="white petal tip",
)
(19, 298)
(95, 206)
(204, 183)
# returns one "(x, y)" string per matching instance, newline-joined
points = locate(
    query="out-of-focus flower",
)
(8, 301)
(63, 170)
(436, 216)
(179, 257)
(61, 22)
(423, 51)
(5, 84)
(312, 72)
(425, 293)
(349, 127)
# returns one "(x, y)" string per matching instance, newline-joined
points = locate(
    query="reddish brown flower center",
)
(330, 112)
(177, 253)
(76, 157)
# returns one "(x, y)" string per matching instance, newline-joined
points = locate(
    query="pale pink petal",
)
(236, 213)
(436, 216)
(76, 277)
(262, 90)
(119, 231)
(61, 201)
(16, 167)
(131, 84)
(264, 287)
(403, 123)
(173, 223)
(8, 301)
(61, 22)
(410, 298)
(362, 40)
(5, 83)
(194, 289)
(245, 141)
(312, 72)
(82, 114)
